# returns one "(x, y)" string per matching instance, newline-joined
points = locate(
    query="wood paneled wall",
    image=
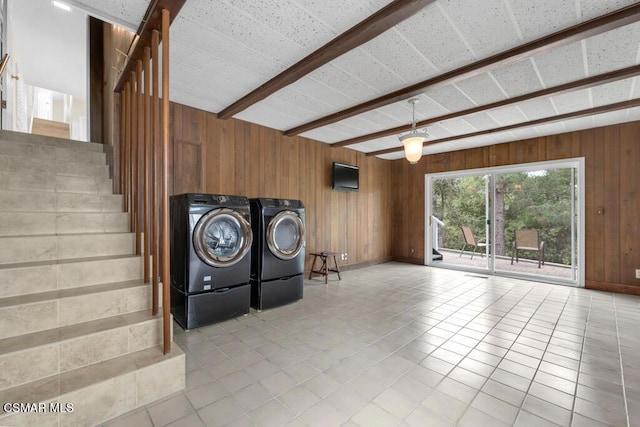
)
(235, 157)
(385, 218)
(612, 162)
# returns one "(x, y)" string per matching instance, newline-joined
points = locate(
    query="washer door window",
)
(222, 237)
(285, 235)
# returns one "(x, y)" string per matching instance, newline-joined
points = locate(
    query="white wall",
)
(49, 47)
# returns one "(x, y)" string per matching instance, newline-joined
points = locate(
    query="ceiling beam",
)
(602, 24)
(151, 21)
(376, 24)
(567, 116)
(587, 83)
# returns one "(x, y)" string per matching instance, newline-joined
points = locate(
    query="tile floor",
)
(398, 344)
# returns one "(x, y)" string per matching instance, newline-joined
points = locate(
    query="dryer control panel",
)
(217, 199)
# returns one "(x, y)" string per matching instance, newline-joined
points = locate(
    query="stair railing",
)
(436, 223)
(144, 151)
(3, 64)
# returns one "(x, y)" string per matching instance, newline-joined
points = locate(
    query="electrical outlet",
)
(637, 273)
(346, 256)
(412, 250)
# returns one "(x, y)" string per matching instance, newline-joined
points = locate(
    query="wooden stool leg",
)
(313, 264)
(325, 269)
(335, 262)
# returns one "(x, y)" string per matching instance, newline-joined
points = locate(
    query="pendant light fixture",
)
(413, 140)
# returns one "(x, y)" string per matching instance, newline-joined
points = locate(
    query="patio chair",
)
(471, 240)
(528, 240)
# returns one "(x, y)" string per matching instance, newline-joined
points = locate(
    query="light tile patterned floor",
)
(398, 344)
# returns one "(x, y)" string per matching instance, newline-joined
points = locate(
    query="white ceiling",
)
(221, 50)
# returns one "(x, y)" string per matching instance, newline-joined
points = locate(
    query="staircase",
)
(75, 321)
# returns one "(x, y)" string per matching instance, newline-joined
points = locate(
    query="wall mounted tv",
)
(345, 177)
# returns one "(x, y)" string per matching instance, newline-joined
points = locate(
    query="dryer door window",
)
(222, 237)
(285, 235)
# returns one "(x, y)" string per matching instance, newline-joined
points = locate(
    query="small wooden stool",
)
(325, 267)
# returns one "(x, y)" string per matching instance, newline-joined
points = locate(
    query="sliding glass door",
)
(522, 221)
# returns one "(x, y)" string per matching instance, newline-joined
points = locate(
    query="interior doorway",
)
(45, 84)
(523, 221)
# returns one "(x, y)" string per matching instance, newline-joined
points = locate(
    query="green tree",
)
(539, 200)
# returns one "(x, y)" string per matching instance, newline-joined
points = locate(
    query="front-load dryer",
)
(278, 252)
(211, 239)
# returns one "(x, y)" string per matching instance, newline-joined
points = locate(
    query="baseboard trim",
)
(589, 284)
(358, 265)
(364, 264)
(618, 288)
(407, 260)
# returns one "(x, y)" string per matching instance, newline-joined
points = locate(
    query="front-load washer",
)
(277, 253)
(211, 239)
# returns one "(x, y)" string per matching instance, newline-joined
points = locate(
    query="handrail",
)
(144, 160)
(435, 232)
(438, 220)
(150, 22)
(3, 63)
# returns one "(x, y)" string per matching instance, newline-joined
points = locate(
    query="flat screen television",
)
(345, 177)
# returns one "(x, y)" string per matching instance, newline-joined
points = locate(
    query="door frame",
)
(579, 210)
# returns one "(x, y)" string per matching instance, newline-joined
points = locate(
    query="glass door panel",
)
(535, 222)
(459, 222)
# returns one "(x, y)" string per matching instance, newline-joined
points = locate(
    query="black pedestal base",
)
(194, 310)
(274, 293)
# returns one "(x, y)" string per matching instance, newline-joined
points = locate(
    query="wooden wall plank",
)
(190, 137)
(499, 154)
(591, 215)
(221, 168)
(596, 172)
(327, 239)
(562, 146)
(418, 227)
(320, 202)
(242, 142)
(257, 163)
(612, 204)
(188, 167)
(457, 160)
(436, 163)
(295, 178)
(311, 208)
(212, 149)
(629, 203)
(476, 158)
(267, 152)
(401, 211)
(360, 212)
(175, 118)
(524, 151)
